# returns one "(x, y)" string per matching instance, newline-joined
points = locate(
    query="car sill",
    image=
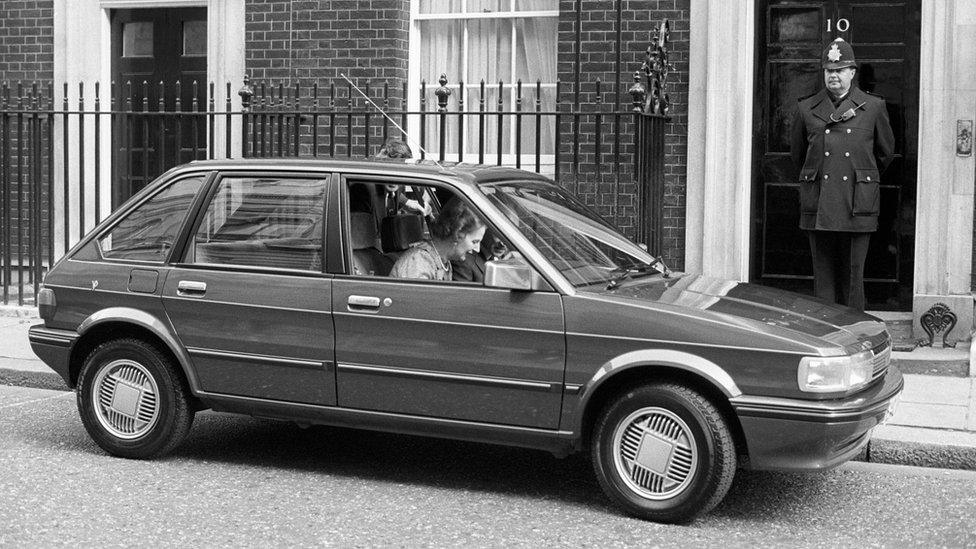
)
(558, 442)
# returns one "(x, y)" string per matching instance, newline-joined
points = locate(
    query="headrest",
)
(363, 230)
(400, 231)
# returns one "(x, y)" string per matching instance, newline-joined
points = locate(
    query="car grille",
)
(882, 357)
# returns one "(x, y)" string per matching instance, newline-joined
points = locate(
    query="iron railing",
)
(68, 161)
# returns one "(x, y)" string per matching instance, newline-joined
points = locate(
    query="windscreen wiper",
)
(623, 273)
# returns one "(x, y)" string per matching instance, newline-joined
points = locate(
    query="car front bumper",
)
(793, 435)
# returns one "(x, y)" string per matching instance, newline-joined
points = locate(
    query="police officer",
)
(842, 142)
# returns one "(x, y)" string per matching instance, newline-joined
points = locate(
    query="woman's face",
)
(468, 243)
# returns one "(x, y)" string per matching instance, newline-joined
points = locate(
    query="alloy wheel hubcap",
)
(126, 399)
(655, 453)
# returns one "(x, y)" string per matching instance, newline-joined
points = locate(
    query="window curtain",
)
(441, 44)
(536, 61)
(489, 57)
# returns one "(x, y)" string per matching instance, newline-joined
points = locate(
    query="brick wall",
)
(314, 41)
(26, 41)
(26, 57)
(609, 187)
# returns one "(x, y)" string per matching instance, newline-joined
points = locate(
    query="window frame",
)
(509, 157)
(148, 194)
(180, 259)
(347, 178)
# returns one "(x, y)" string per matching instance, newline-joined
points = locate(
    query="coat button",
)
(848, 130)
(826, 131)
(826, 176)
(845, 178)
(847, 154)
(827, 153)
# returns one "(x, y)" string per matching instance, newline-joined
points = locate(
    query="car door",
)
(250, 299)
(447, 349)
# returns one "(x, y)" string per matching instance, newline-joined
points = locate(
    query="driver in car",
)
(455, 233)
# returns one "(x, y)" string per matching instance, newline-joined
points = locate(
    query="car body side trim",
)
(665, 357)
(248, 357)
(483, 380)
(51, 336)
(252, 305)
(758, 407)
(683, 343)
(158, 327)
(653, 358)
(453, 323)
(559, 442)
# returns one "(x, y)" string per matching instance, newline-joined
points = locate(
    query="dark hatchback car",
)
(263, 288)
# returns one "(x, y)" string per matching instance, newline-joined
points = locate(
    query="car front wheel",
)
(663, 452)
(132, 399)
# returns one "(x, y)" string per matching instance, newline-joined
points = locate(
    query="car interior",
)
(375, 251)
(384, 222)
(263, 223)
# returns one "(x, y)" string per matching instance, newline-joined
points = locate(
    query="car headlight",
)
(832, 374)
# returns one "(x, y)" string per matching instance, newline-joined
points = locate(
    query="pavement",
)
(934, 424)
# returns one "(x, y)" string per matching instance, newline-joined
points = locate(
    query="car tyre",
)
(663, 452)
(133, 400)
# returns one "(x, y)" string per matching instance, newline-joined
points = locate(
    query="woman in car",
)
(456, 232)
(471, 267)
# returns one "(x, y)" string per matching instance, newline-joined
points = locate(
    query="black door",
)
(885, 36)
(150, 46)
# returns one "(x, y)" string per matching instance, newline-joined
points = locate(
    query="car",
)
(263, 287)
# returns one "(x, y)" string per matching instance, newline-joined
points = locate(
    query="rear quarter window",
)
(148, 232)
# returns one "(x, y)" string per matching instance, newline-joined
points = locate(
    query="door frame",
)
(722, 60)
(82, 53)
(886, 277)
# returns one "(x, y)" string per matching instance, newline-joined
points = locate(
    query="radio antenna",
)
(388, 117)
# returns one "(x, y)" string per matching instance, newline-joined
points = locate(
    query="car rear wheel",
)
(663, 452)
(133, 400)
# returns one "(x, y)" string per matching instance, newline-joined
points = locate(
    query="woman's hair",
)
(455, 218)
(394, 148)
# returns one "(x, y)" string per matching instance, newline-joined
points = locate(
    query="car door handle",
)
(363, 303)
(191, 288)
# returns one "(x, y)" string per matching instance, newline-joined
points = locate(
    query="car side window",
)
(271, 222)
(147, 233)
(411, 231)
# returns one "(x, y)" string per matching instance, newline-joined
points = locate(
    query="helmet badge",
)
(834, 53)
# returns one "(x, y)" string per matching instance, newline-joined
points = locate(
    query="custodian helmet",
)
(837, 55)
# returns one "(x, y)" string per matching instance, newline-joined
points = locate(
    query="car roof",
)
(474, 174)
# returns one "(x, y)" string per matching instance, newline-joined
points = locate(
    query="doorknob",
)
(191, 288)
(363, 303)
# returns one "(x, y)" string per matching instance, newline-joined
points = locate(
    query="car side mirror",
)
(513, 274)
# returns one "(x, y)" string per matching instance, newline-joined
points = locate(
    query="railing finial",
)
(442, 93)
(246, 92)
(656, 68)
(638, 92)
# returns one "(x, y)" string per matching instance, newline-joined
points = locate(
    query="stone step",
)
(946, 362)
(911, 357)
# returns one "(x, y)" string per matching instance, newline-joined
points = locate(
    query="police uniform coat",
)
(841, 159)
